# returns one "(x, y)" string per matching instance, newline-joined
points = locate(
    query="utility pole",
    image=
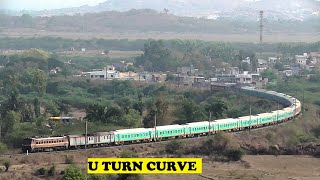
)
(261, 32)
(209, 122)
(295, 105)
(155, 127)
(277, 112)
(250, 118)
(86, 134)
(250, 113)
(303, 101)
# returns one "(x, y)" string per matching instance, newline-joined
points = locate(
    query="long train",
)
(204, 128)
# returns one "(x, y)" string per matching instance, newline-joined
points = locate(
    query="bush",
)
(174, 147)
(73, 172)
(52, 171)
(41, 172)
(217, 144)
(234, 154)
(7, 165)
(69, 159)
(317, 154)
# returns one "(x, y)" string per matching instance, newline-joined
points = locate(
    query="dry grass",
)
(275, 37)
(95, 53)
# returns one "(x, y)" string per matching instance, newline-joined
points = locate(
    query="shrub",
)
(41, 172)
(73, 172)
(174, 147)
(234, 154)
(69, 159)
(317, 154)
(217, 144)
(7, 165)
(52, 171)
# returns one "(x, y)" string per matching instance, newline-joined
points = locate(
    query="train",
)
(292, 108)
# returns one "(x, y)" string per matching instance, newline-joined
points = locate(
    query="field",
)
(268, 37)
(95, 53)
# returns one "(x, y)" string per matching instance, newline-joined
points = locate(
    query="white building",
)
(108, 73)
(273, 60)
(301, 59)
(247, 60)
(315, 56)
(244, 78)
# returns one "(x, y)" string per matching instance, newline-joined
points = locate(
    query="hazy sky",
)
(44, 4)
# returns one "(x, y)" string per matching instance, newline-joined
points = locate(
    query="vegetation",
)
(41, 172)
(7, 164)
(73, 173)
(139, 21)
(69, 159)
(175, 147)
(234, 154)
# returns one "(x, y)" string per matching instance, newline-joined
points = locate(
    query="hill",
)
(239, 9)
(151, 21)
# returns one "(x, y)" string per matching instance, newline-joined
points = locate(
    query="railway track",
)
(132, 145)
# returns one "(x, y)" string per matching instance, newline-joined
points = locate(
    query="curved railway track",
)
(128, 145)
(292, 105)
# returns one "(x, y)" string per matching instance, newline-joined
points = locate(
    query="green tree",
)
(36, 105)
(216, 106)
(131, 119)
(279, 66)
(159, 109)
(10, 121)
(39, 81)
(155, 57)
(52, 108)
(271, 75)
(189, 111)
(73, 173)
(96, 112)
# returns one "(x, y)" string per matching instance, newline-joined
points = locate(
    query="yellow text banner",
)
(144, 165)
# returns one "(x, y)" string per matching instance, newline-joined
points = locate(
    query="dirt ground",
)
(251, 167)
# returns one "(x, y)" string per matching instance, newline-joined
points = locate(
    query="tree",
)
(155, 57)
(36, 105)
(216, 106)
(52, 108)
(73, 173)
(160, 109)
(131, 119)
(269, 74)
(279, 66)
(96, 112)
(10, 121)
(39, 82)
(189, 111)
